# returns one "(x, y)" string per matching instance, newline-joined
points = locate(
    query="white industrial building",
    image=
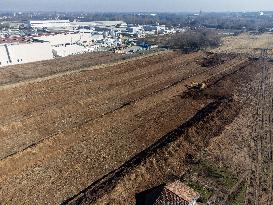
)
(75, 24)
(4, 57)
(71, 43)
(63, 38)
(68, 50)
(50, 24)
(70, 38)
(155, 29)
(136, 30)
(120, 24)
(12, 54)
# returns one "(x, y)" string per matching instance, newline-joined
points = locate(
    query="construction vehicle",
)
(196, 86)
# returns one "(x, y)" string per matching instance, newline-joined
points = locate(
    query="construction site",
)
(103, 128)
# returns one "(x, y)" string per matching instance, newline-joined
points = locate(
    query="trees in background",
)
(193, 40)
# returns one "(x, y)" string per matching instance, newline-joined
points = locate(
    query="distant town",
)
(35, 36)
(36, 40)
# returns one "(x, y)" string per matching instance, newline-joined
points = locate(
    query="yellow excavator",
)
(196, 86)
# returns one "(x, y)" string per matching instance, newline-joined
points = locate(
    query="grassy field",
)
(245, 43)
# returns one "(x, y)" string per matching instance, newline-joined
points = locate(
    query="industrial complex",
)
(60, 38)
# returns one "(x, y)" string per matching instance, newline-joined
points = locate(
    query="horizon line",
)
(158, 12)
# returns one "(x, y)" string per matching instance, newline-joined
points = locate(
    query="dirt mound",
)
(212, 59)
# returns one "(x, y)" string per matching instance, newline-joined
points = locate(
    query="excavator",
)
(196, 86)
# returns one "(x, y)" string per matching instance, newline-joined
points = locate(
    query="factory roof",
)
(99, 23)
(14, 39)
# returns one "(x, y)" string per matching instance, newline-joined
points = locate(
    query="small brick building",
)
(177, 193)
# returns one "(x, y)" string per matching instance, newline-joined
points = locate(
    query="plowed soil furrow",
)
(68, 148)
(18, 73)
(64, 79)
(87, 88)
(162, 146)
(60, 118)
(260, 176)
(75, 78)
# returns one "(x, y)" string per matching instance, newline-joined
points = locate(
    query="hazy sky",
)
(136, 5)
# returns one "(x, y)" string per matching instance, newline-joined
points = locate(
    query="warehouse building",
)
(69, 39)
(12, 54)
(68, 50)
(98, 24)
(49, 24)
(71, 43)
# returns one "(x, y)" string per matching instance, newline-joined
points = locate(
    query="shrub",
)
(191, 41)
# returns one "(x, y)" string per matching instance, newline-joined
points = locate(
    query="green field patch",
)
(239, 197)
(205, 192)
(219, 175)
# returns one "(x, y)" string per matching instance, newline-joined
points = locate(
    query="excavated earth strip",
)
(64, 113)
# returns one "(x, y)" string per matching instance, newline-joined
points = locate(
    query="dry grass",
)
(245, 43)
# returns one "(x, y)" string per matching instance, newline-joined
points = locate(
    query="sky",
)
(137, 5)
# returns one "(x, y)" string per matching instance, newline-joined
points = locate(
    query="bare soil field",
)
(23, 72)
(101, 136)
(210, 152)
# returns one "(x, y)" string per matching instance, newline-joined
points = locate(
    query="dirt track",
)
(62, 134)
